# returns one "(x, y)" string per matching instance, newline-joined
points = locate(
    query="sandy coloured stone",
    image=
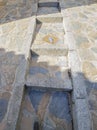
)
(78, 26)
(84, 16)
(8, 28)
(82, 41)
(94, 49)
(86, 40)
(11, 2)
(89, 70)
(50, 39)
(3, 2)
(44, 32)
(86, 54)
(92, 35)
(83, 11)
(74, 62)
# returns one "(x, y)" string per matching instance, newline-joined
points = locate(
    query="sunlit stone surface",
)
(81, 18)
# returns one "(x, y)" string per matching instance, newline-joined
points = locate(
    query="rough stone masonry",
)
(28, 59)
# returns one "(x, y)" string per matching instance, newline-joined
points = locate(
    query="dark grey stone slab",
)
(46, 81)
(81, 115)
(51, 107)
(3, 108)
(79, 86)
(48, 4)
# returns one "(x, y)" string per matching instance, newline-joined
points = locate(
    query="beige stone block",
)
(2, 2)
(13, 2)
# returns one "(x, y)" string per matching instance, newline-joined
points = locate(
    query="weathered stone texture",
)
(46, 106)
(82, 17)
(49, 72)
(80, 24)
(13, 10)
(49, 39)
(12, 59)
(82, 114)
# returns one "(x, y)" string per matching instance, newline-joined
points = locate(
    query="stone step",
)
(49, 72)
(51, 52)
(49, 13)
(42, 1)
(49, 39)
(46, 110)
(48, 4)
(50, 18)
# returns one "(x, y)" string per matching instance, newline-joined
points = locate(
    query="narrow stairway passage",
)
(47, 97)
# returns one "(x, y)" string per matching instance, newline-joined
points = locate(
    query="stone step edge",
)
(48, 88)
(14, 104)
(68, 87)
(48, 4)
(50, 19)
(48, 83)
(53, 52)
(81, 113)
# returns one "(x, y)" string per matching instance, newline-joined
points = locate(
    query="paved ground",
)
(9, 60)
(15, 10)
(83, 26)
(81, 19)
(11, 54)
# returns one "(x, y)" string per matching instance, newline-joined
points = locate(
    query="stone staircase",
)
(49, 62)
(47, 98)
(49, 39)
(49, 72)
(42, 82)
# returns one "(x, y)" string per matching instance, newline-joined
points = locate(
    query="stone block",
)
(49, 72)
(4, 99)
(74, 62)
(50, 108)
(19, 82)
(48, 4)
(48, 39)
(2, 3)
(81, 115)
(78, 81)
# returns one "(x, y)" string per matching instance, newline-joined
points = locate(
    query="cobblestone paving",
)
(83, 24)
(45, 106)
